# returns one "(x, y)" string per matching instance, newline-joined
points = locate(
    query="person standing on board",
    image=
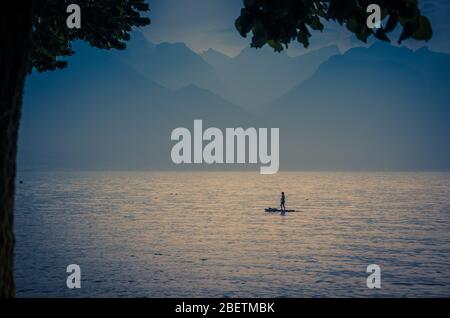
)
(282, 202)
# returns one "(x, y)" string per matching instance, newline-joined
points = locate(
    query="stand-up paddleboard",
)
(277, 210)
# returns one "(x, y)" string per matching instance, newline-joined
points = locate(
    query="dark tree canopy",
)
(278, 22)
(35, 35)
(106, 24)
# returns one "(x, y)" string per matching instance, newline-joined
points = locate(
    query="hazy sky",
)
(203, 24)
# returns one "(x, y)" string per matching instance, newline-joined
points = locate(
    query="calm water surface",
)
(171, 234)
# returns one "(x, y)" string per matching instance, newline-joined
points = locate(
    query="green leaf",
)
(316, 24)
(352, 25)
(303, 38)
(407, 32)
(424, 31)
(276, 45)
(391, 23)
(381, 35)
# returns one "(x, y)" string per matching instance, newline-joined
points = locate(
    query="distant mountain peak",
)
(215, 58)
(213, 52)
(261, 52)
(190, 87)
(424, 49)
(173, 46)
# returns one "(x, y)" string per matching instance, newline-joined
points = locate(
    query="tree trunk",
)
(15, 34)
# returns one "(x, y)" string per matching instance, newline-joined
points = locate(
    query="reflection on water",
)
(206, 234)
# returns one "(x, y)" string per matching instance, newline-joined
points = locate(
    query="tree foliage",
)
(106, 24)
(35, 36)
(278, 22)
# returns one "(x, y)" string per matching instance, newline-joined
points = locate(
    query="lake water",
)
(192, 234)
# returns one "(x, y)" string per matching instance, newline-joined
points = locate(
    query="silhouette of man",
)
(282, 202)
